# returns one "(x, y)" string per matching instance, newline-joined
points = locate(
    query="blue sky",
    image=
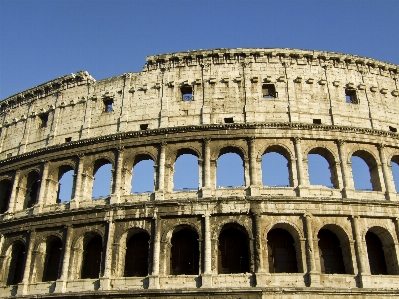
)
(41, 40)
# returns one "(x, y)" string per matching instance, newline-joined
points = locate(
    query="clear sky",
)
(41, 40)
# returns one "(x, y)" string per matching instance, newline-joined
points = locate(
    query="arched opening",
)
(186, 176)
(319, 173)
(102, 179)
(275, 170)
(281, 250)
(16, 269)
(375, 254)
(92, 258)
(184, 253)
(395, 171)
(32, 189)
(322, 168)
(53, 259)
(5, 195)
(65, 184)
(233, 252)
(331, 259)
(143, 175)
(136, 260)
(230, 169)
(365, 171)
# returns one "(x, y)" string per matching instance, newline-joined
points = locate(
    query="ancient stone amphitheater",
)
(251, 241)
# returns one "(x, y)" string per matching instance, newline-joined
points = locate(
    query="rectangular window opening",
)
(43, 118)
(143, 127)
(393, 129)
(350, 95)
(228, 120)
(269, 91)
(187, 93)
(317, 121)
(68, 139)
(108, 105)
(9, 155)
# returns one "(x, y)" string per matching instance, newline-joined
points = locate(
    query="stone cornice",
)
(48, 88)
(216, 56)
(150, 206)
(199, 128)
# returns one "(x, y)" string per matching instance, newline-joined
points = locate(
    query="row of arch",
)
(104, 174)
(284, 253)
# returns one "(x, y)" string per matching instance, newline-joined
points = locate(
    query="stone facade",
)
(206, 103)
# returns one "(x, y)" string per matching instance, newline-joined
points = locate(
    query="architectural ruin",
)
(251, 241)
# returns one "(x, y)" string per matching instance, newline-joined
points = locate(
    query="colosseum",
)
(252, 241)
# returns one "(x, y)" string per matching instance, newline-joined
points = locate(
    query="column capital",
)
(297, 140)
(308, 215)
(120, 149)
(163, 144)
(340, 142)
(381, 145)
(80, 155)
(207, 140)
(251, 139)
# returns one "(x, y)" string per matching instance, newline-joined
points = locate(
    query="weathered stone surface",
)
(247, 101)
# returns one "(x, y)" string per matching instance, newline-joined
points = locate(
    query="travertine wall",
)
(226, 84)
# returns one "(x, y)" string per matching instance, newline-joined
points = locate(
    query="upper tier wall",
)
(226, 83)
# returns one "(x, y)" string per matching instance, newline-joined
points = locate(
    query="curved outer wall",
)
(66, 123)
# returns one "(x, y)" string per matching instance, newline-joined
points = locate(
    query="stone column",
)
(115, 197)
(302, 247)
(261, 279)
(396, 240)
(26, 276)
(159, 193)
(313, 275)
(43, 187)
(396, 222)
(302, 185)
(207, 275)
(362, 272)
(258, 243)
(253, 173)
(200, 172)
(154, 277)
(78, 192)
(346, 179)
(3, 278)
(389, 187)
(247, 181)
(207, 188)
(105, 281)
(61, 283)
(14, 192)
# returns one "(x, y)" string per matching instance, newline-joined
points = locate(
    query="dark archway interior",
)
(32, 191)
(233, 251)
(376, 254)
(53, 259)
(16, 269)
(92, 258)
(185, 252)
(331, 259)
(136, 260)
(282, 254)
(5, 195)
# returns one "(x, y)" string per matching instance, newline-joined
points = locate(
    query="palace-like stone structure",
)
(252, 241)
